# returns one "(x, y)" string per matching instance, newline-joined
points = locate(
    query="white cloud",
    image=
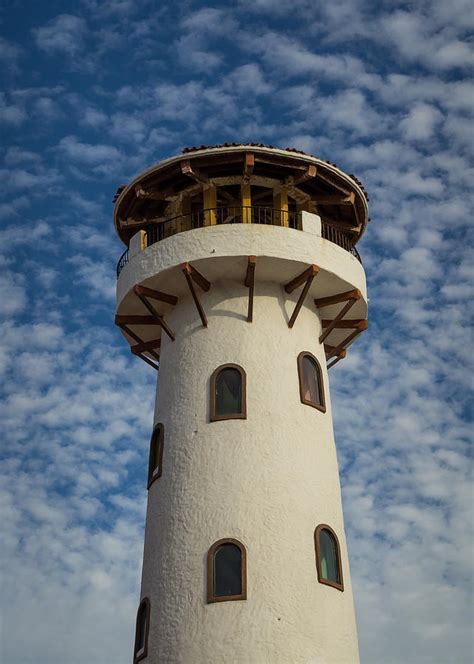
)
(63, 34)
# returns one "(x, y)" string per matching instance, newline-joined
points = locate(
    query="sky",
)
(95, 91)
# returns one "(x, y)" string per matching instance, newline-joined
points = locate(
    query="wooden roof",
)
(339, 197)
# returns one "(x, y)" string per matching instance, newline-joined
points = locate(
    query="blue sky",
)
(95, 91)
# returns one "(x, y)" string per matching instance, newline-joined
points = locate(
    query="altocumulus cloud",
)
(101, 90)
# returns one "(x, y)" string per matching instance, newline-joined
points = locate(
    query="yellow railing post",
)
(210, 204)
(280, 203)
(246, 204)
(184, 222)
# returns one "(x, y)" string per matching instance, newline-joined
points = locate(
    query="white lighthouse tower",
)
(242, 286)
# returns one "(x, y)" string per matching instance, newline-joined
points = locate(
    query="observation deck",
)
(216, 210)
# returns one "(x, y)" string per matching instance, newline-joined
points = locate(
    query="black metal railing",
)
(236, 215)
(123, 260)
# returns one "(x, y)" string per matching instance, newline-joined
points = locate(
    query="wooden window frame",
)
(211, 598)
(152, 478)
(143, 652)
(243, 379)
(307, 402)
(317, 548)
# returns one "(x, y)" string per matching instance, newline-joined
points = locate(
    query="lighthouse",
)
(241, 285)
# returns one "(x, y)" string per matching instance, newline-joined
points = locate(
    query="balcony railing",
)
(236, 215)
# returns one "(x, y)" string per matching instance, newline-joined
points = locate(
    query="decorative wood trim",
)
(321, 407)
(250, 283)
(157, 430)
(191, 274)
(211, 597)
(308, 276)
(333, 323)
(213, 417)
(340, 297)
(317, 549)
(141, 654)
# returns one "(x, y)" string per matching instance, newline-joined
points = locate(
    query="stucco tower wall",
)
(267, 480)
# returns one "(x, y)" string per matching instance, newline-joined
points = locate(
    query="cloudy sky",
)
(93, 92)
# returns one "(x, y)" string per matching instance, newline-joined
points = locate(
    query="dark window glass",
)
(156, 452)
(311, 381)
(329, 558)
(227, 571)
(228, 392)
(141, 631)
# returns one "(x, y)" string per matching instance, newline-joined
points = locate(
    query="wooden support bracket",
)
(350, 303)
(192, 275)
(248, 166)
(341, 356)
(145, 346)
(134, 320)
(306, 276)
(143, 293)
(332, 351)
(344, 324)
(155, 295)
(250, 283)
(123, 326)
(335, 299)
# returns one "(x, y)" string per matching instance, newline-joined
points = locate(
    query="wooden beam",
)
(344, 324)
(301, 278)
(333, 184)
(186, 268)
(196, 276)
(308, 276)
(341, 314)
(195, 174)
(310, 173)
(335, 200)
(136, 338)
(248, 166)
(336, 350)
(250, 283)
(134, 320)
(341, 356)
(155, 295)
(340, 297)
(158, 317)
(145, 346)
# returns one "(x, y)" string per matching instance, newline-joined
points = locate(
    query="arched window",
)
(141, 631)
(226, 571)
(311, 381)
(155, 460)
(328, 557)
(228, 393)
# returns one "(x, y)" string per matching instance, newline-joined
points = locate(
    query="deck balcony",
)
(201, 218)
